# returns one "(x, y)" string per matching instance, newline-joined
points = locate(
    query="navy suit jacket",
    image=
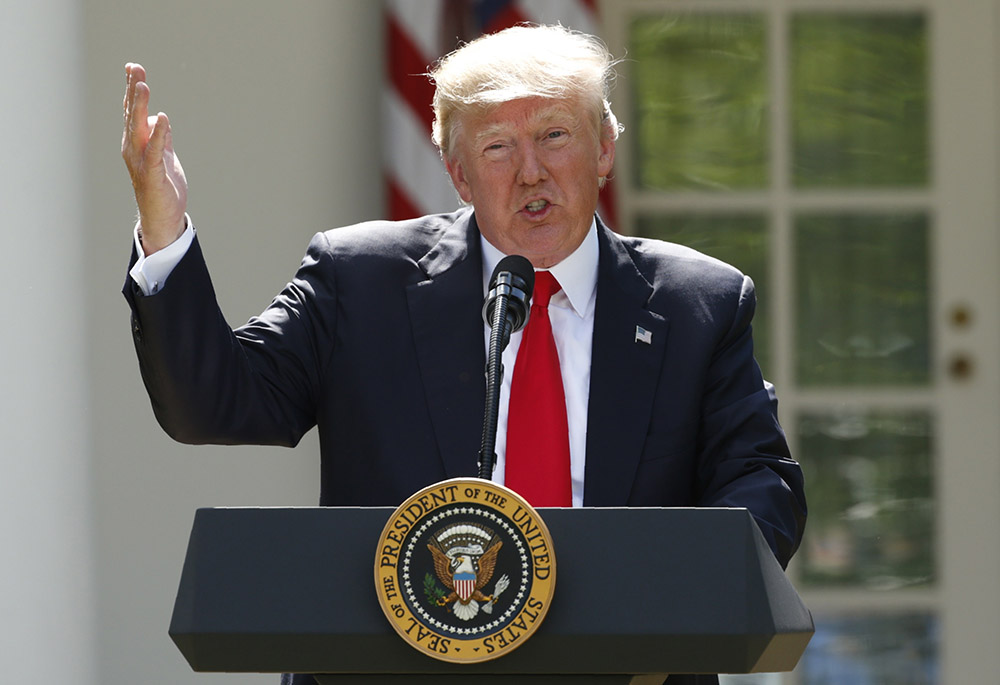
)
(379, 341)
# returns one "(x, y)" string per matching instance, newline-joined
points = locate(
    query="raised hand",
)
(157, 176)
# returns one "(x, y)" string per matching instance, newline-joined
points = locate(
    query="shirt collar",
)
(577, 274)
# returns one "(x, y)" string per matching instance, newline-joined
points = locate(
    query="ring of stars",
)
(434, 520)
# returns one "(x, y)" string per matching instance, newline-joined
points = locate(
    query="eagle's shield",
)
(465, 585)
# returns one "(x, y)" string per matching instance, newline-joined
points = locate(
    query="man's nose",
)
(531, 166)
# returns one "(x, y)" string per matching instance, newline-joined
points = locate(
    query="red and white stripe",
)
(419, 32)
(465, 588)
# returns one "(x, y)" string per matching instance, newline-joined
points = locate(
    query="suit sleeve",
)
(744, 457)
(210, 384)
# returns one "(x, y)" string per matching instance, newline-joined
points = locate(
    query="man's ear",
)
(605, 156)
(458, 178)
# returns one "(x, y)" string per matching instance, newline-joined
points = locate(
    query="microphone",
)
(505, 311)
(514, 277)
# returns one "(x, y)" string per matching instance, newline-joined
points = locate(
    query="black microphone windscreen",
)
(518, 266)
(514, 277)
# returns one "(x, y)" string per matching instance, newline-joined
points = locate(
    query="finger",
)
(138, 72)
(128, 106)
(127, 99)
(136, 97)
(157, 139)
(133, 74)
(137, 128)
(128, 68)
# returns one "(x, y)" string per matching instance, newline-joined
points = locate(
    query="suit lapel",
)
(629, 342)
(448, 335)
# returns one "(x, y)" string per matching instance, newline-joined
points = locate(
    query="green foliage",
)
(699, 85)
(870, 476)
(862, 299)
(858, 84)
(432, 591)
(859, 100)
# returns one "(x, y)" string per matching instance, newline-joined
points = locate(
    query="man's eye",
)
(556, 134)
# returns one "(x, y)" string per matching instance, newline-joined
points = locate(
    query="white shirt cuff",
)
(150, 273)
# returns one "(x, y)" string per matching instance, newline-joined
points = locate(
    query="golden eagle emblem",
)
(465, 556)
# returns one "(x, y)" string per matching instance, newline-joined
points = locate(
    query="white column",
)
(46, 580)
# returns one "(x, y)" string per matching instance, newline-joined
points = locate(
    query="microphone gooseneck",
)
(505, 310)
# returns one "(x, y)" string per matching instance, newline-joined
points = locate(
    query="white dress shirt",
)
(571, 311)
(150, 273)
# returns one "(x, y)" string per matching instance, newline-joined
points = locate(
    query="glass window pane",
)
(862, 300)
(859, 100)
(896, 649)
(869, 484)
(700, 98)
(737, 239)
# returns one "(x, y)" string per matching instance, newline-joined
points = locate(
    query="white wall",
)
(274, 108)
(46, 557)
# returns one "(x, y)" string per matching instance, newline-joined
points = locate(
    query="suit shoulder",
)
(665, 262)
(408, 240)
(693, 289)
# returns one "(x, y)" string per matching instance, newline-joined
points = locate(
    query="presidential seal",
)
(465, 570)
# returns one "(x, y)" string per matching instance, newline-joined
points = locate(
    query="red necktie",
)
(537, 453)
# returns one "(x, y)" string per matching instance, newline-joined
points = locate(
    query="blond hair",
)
(522, 62)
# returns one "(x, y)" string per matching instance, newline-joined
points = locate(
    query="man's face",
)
(530, 168)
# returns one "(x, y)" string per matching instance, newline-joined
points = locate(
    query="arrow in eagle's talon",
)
(497, 590)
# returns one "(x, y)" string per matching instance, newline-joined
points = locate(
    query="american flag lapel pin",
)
(643, 336)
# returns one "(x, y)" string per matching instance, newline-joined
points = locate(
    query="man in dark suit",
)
(379, 340)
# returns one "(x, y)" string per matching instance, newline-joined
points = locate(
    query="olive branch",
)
(434, 592)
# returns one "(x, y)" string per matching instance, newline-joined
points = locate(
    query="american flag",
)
(418, 33)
